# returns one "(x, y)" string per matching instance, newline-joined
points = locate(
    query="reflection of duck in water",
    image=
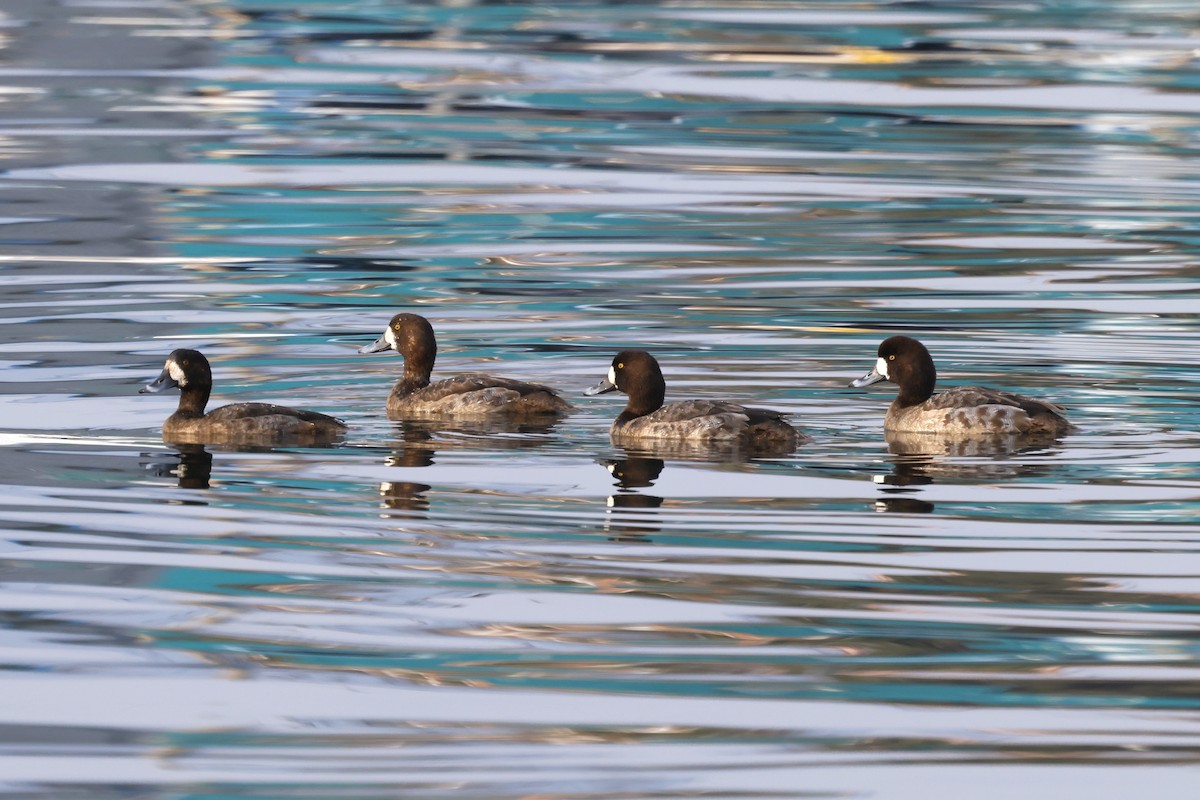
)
(962, 411)
(415, 447)
(920, 459)
(469, 396)
(418, 442)
(195, 466)
(193, 469)
(404, 496)
(709, 423)
(928, 457)
(237, 423)
(634, 472)
(903, 505)
(909, 472)
(631, 473)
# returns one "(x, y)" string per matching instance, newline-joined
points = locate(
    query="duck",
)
(705, 422)
(960, 411)
(470, 395)
(245, 423)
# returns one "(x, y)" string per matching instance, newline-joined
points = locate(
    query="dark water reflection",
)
(405, 496)
(191, 465)
(920, 460)
(627, 518)
(757, 194)
(923, 458)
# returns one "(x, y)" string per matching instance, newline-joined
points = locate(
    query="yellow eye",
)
(620, 366)
(891, 358)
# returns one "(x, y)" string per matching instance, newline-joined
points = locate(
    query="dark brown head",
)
(637, 374)
(411, 336)
(905, 362)
(189, 371)
(184, 368)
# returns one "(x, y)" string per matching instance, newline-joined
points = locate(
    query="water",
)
(758, 196)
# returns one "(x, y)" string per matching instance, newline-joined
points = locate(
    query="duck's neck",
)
(645, 402)
(418, 365)
(916, 392)
(409, 383)
(192, 400)
(416, 375)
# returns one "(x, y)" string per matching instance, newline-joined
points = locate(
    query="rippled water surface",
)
(758, 194)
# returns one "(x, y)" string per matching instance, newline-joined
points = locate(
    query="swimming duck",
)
(249, 423)
(645, 418)
(463, 396)
(963, 410)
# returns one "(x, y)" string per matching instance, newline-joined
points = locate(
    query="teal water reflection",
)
(758, 195)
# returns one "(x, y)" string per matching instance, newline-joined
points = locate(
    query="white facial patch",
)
(881, 366)
(176, 373)
(612, 375)
(389, 336)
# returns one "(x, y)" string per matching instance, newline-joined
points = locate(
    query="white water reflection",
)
(716, 80)
(441, 174)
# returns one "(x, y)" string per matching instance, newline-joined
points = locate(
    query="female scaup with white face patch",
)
(961, 411)
(646, 419)
(461, 397)
(238, 423)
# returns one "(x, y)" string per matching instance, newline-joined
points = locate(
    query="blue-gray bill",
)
(376, 346)
(603, 387)
(162, 382)
(866, 380)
